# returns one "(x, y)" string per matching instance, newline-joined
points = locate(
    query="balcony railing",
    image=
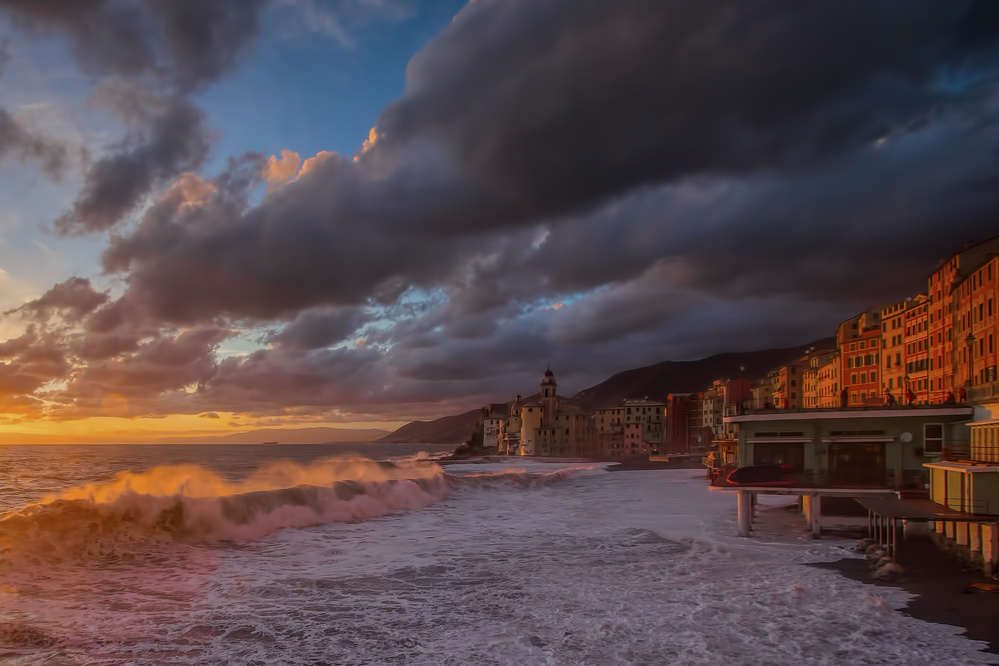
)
(870, 401)
(984, 392)
(956, 452)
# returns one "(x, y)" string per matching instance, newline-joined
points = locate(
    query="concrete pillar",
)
(938, 526)
(990, 548)
(806, 508)
(745, 513)
(949, 529)
(975, 537)
(815, 515)
(961, 530)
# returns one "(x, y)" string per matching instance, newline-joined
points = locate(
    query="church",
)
(545, 428)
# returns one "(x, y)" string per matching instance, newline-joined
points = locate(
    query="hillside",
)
(445, 430)
(652, 381)
(659, 380)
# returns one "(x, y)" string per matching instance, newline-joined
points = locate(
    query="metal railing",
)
(966, 505)
(983, 392)
(956, 452)
(852, 401)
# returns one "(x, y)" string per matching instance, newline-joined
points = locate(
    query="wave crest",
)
(191, 503)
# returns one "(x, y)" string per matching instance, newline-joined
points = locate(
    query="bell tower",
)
(549, 397)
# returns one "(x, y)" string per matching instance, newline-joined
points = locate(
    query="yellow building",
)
(827, 382)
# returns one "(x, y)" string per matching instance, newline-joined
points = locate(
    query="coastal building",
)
(828, 382)
(763, 390)
(648, 416)
(548, 428)
(789, 389)
(531, 418)
(611, 443)
(859, 342)
(964, 483)
(814, 361)
(956, 288)
(683, 432)
(863, 447)
(893, 349)
(494, 418)
(510, 444)
(976, 318)
(916, 378)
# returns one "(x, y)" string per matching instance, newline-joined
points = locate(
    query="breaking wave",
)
(189, 503)
(522, 477)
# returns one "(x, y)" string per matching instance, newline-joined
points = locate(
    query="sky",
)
(289, 213)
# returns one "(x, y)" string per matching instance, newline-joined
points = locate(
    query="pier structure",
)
(811, 500)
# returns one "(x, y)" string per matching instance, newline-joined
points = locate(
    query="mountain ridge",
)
(654, 381)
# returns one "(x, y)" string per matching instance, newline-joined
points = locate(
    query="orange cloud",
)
(280, 170)
(314, 162)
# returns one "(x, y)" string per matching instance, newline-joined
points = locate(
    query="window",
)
(863, 378)
(853, 345)
(874, 376)
(853, 378)
(933, 438)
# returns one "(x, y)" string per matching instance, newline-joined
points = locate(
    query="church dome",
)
(549, 373)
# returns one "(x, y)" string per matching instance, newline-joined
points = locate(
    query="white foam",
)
(618, 568)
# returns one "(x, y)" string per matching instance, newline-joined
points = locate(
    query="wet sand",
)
(943, 585)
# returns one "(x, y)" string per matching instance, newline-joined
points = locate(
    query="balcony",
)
(986, 392)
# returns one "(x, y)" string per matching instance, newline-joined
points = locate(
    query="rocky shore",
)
(942, 584)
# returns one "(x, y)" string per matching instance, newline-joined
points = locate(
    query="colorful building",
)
(956, 288)
(683, 424)
(859, 343)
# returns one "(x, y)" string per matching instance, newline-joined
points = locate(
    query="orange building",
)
(955, 289)
(893, 348)
(917, 342)
(975, 346)
(859, 343)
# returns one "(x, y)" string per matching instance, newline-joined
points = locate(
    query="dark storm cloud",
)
(73, 298)
(521, 114)
(313, 329)
(20, 143)
(595, 185)
(181, 43)
(170, 47)
(312, 242)
(554, 105)
(174, 140)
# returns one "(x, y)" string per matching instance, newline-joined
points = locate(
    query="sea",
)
(374, 554)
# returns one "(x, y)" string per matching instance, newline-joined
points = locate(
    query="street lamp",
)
(970, 342)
